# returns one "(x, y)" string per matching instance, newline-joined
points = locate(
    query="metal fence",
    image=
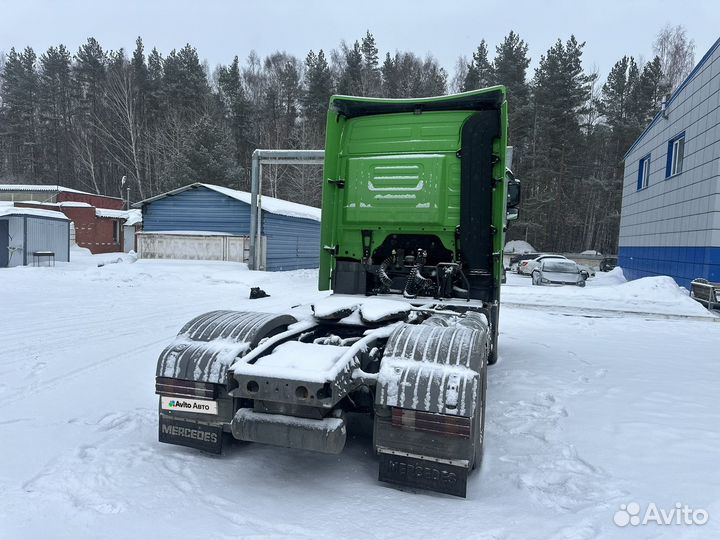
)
(196, 247)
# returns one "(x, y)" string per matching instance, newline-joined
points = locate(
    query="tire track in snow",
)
(73, 373)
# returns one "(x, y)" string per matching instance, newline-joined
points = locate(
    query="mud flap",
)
(442, 476)
(192, 434)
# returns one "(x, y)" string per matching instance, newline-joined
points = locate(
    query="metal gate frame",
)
(262, 157)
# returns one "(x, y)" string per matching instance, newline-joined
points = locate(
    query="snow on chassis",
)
(414, 213)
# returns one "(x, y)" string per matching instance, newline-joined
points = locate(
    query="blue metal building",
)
(291, 230)
(670, 221)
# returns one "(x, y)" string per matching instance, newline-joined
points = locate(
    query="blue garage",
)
(212, 216)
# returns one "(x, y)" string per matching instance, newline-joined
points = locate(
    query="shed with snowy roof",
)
(209, 222)
(25, 231)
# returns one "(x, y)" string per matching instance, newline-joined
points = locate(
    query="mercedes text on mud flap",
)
(414, 213)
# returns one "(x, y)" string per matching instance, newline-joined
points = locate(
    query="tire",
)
(535, 278)
(480, 429)
(581, 284)
(492, 353)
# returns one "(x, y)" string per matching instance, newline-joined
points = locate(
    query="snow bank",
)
(653, 295)
(519, 246)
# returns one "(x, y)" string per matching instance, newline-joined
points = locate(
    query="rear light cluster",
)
(442, 424)
(181, 387)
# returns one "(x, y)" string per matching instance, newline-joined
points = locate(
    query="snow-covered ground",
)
(588, 408)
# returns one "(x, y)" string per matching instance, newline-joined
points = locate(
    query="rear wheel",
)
(492, 353)
(480, 429)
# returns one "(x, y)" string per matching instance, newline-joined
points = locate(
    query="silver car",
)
(558, 272)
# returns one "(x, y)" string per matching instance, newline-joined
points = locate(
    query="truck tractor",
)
(415, 204)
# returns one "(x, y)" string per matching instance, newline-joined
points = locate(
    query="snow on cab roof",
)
(269, 204)
(19, 211)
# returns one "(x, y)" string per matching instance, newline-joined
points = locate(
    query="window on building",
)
(116, 231)
(643, 173)
(676, 152)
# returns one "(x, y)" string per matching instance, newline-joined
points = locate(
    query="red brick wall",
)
(91, 232)
(98, 201)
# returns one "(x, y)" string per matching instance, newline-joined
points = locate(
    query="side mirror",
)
(513, 193)
(513, 214)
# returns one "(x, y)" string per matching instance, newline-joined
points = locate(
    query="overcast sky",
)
(222, 29)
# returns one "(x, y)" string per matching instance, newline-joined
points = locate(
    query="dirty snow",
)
(588, 408)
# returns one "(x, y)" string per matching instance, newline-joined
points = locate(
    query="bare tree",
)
(461, 69)
(122, 131)
(676, 52)
(84, 150)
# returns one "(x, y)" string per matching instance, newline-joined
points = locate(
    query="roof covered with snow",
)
(37, 212)
(45, 187)
(268, 204)
(49, 188)
(132, 216)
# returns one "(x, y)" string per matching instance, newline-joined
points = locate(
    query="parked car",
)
(515, 260)
(608, 263)
(526, 267)
(558, 272)
(586, 270)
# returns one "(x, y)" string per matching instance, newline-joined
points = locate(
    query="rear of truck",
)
(413, 220)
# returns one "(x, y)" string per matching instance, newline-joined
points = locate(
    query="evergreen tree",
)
(390, 78)
(651, 91)
(561, 96)
(19, 99)
(90, 78)
(185, 84)
(236, 107)
(55, 108)
(510, 69)
(207, 155)
(351, 78)
(371, 76)
(318, 89)
(480, 72)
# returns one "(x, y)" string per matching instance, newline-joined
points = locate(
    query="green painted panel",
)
(391, 166)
